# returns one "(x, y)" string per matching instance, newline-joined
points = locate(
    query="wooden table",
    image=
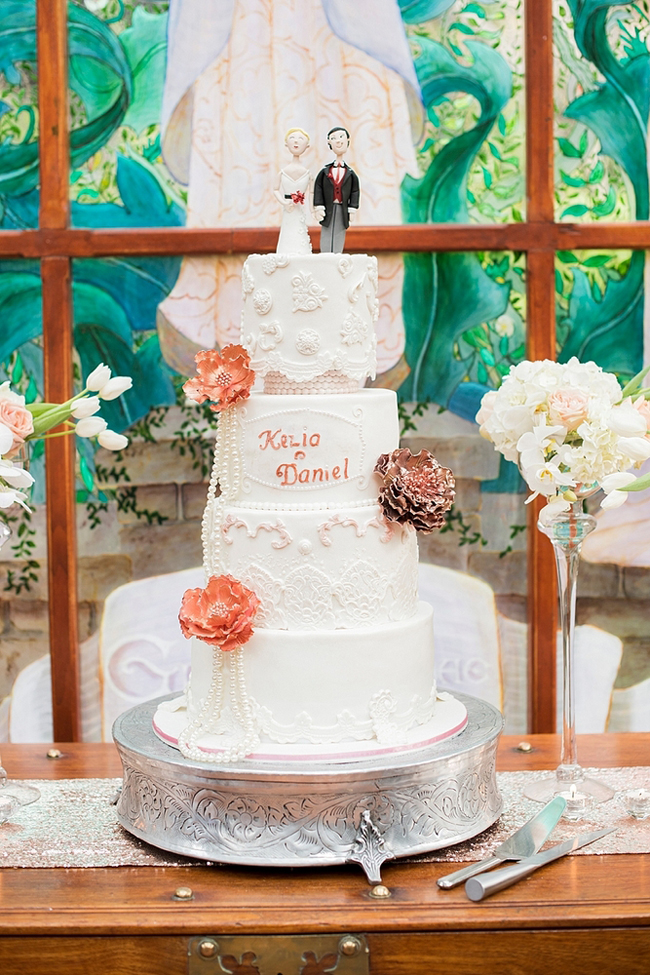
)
(588, 914)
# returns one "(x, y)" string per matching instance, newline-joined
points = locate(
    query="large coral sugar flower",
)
(416, 490)
(223, 377)
(220, 615)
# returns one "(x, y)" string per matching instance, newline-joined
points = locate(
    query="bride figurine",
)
(293, 191)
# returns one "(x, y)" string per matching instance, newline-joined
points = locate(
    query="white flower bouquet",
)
(571, 429)
(21, 422)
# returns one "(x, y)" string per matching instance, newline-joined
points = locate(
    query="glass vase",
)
(567, 531)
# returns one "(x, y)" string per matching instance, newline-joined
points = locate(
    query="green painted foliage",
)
(100, 74)
(145, 43)
(616, 111)
(417, 11)
(609, 328)
(447, 294)
(115, 299)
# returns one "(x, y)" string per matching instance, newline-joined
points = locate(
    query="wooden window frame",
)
(55, 244)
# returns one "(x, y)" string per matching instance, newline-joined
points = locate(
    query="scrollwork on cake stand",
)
(273, 813)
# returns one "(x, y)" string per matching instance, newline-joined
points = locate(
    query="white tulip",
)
(613, 482)
(15, 474)
(98, 377)
(111, 440)
(115, 387)
(8, 497)
(638, 448)
(626, 421)
(90, 426)
(7, 393)
(85, 407)
(614, 499)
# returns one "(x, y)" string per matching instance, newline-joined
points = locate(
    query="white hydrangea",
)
(566, 425)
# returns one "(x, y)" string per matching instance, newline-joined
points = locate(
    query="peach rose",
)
(220, 615)
(643, 407)
(18, 419)
(223, 377)
(568, 407)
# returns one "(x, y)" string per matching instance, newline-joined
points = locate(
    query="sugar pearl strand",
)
(242, 709)
(212, 704)
(227, 474)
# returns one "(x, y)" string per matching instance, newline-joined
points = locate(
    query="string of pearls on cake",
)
(207, 720)
(226, 475)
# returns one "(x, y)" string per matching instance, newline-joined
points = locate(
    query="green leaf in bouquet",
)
(634, 385)
(640, 484)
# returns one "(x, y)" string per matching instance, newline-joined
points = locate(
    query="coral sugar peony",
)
(223, 377)
(220, 615)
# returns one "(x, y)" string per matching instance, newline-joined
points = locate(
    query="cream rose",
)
(568, 407)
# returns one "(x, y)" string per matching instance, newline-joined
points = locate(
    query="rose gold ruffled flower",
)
(416, 491)
(220, 615)
(223, 377)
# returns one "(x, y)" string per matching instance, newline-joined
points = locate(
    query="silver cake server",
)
(477, 888)
(523, 843)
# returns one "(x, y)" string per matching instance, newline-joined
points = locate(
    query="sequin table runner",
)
(74, 824)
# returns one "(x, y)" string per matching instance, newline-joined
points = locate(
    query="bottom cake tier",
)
(322, 694)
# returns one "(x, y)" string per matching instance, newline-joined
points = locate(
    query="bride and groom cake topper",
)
(335, 195)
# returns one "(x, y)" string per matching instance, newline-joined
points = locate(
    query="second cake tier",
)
(314, 450)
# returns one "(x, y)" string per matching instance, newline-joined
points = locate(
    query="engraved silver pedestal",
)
(292, 814)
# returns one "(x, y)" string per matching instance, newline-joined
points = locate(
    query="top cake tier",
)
(308, 321)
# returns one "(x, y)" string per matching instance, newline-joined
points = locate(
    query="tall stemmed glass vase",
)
(567, 531)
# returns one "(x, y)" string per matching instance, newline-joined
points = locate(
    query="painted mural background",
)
(436, 110)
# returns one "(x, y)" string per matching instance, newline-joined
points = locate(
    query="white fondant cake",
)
(340, 663)
(308, 320)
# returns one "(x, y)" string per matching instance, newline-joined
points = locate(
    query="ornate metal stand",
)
(293, 814)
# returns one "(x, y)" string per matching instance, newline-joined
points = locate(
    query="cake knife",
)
(528, 839)
(477, 888)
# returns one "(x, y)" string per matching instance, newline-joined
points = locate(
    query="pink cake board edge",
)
(334, 757)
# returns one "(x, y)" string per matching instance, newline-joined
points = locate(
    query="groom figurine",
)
(336, 193)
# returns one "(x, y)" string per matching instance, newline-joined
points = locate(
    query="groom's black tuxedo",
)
(324, 193)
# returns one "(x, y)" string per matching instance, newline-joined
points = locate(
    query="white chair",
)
(143, 653)
(631, 708)
(26, 714)
(597, 659)
(465, 632)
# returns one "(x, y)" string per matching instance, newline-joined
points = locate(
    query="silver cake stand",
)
(292, 814)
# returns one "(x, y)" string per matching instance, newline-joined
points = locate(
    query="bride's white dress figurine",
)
(293, 191)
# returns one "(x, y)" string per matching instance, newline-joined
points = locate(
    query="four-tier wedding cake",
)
(308, 641)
